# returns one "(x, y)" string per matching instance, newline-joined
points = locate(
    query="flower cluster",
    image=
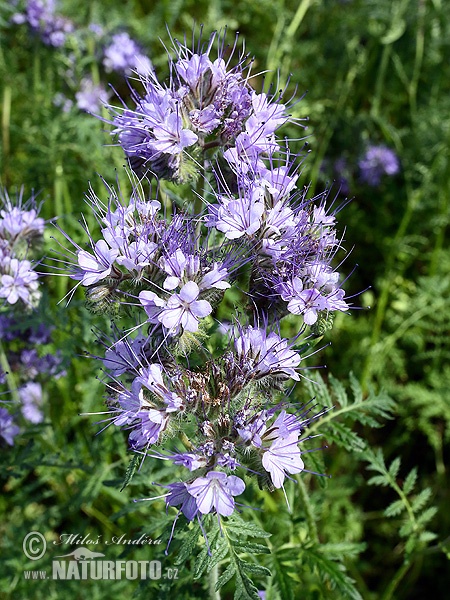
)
(19, 227)
(41, 17)
(22, 336)
(118, 51)
(223, 414)
(211, 404)
(123, 55)
(206, 105)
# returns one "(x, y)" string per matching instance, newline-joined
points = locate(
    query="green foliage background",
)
(377, 72)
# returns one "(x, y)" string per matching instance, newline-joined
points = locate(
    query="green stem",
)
(284, 43)
(213, 576)
(9, 375)
(379, 85)
(418, 59)
(388, 594)
(6, 119)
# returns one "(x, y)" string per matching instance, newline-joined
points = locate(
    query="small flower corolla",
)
(216, 491)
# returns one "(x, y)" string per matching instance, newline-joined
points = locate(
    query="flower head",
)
(376, 162)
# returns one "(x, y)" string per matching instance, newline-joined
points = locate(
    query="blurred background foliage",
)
(371, 73)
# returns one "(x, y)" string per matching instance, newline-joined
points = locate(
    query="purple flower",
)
(266, 354)
(18, 282)
(239, 217)
(179, 496)
(8, 429)
(170, 137)
(216, 491)
(40, 16)
(90, 97)
(123, 355)
(376, 162)
(283, 457)
(19, 219)
(31, 397)
(184, 310)
(93, 269)
(124, 55)
(205, 97)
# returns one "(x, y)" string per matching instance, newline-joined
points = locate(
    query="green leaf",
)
(187, 547)
(427, 515)
(340, 549)
(427, 536)
(334, 573)
(245, 588)
(395, 508)
(251, 548)
(255, 569)
(131, 470)
(378, 480)
(229, 572)
(394, 467)
(219, 549)
(240, 527)
(410, 481)
(421, 499)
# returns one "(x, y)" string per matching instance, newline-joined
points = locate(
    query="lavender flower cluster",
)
(41, 17)
(250, 231)
(21, 332)
(20, 226)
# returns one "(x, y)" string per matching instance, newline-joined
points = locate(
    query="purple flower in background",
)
(376, 162)
(124, 55)
(41, 18)
(31, 396)
(18, 282)
(8, 429)
(90, 97)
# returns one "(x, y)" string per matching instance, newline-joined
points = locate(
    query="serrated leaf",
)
(395, 508)
(406, 529)
(421, 499)
(187, 546)
(245, 588)
(410, 481)
(340, 549)
(225, 576)
(427, 515)
(378, 480)
(131, 470)
(282, 576)
(339, 392)
(251, 547)
(241, 527)
(255, 569)
(427, 536)
(335, 573)
(205, 561)
(355, 387)
(394, 467)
